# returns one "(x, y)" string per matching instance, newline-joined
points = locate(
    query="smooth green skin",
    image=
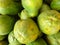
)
(12, 40)
(52, 40)
(3, 42)
(49, 22)
(44, 7)
(55, 4)
(6, 24)
(38, 42)
(24, 14)
(9, 7)
(32, 6)
(26, 31)
(2, 37)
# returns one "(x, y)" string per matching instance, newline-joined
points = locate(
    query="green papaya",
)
(32, 6)
(9, 7)
(55, 4)
(26, 31)
(6, 24)
(57, 37)
(44, 7)
(38, 42)
(49, 22)
(52, 40)
(12, 40)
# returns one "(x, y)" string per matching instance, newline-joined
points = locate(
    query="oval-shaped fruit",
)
(9, 7)
(6, 24)
(44, 7)
(26, 31)
(3, 42)
(24, 14)
(2, 37)
(38, 42)
(12, 40)
(32, 6)
(55, 4)
(49, 22)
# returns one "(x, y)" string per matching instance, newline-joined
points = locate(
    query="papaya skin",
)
(9, 7)
(32, 6)
(55, 4)
(44, 7)
(39, 41)
(12, 40)
(51, 40)
(6, 24)
(26, 31)
(49, 22)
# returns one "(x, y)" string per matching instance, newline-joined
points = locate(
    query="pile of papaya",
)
(29, 22)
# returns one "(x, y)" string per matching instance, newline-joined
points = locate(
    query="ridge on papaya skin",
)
(12, 40)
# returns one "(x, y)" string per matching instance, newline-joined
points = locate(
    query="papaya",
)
(51, 40)
(6, 24)
(32, 6)
(55, 4)
(57, 37)
(44, 7)
(12, 40)
(9, 7)
(49, 22)
(38, 42)
(26, 31)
